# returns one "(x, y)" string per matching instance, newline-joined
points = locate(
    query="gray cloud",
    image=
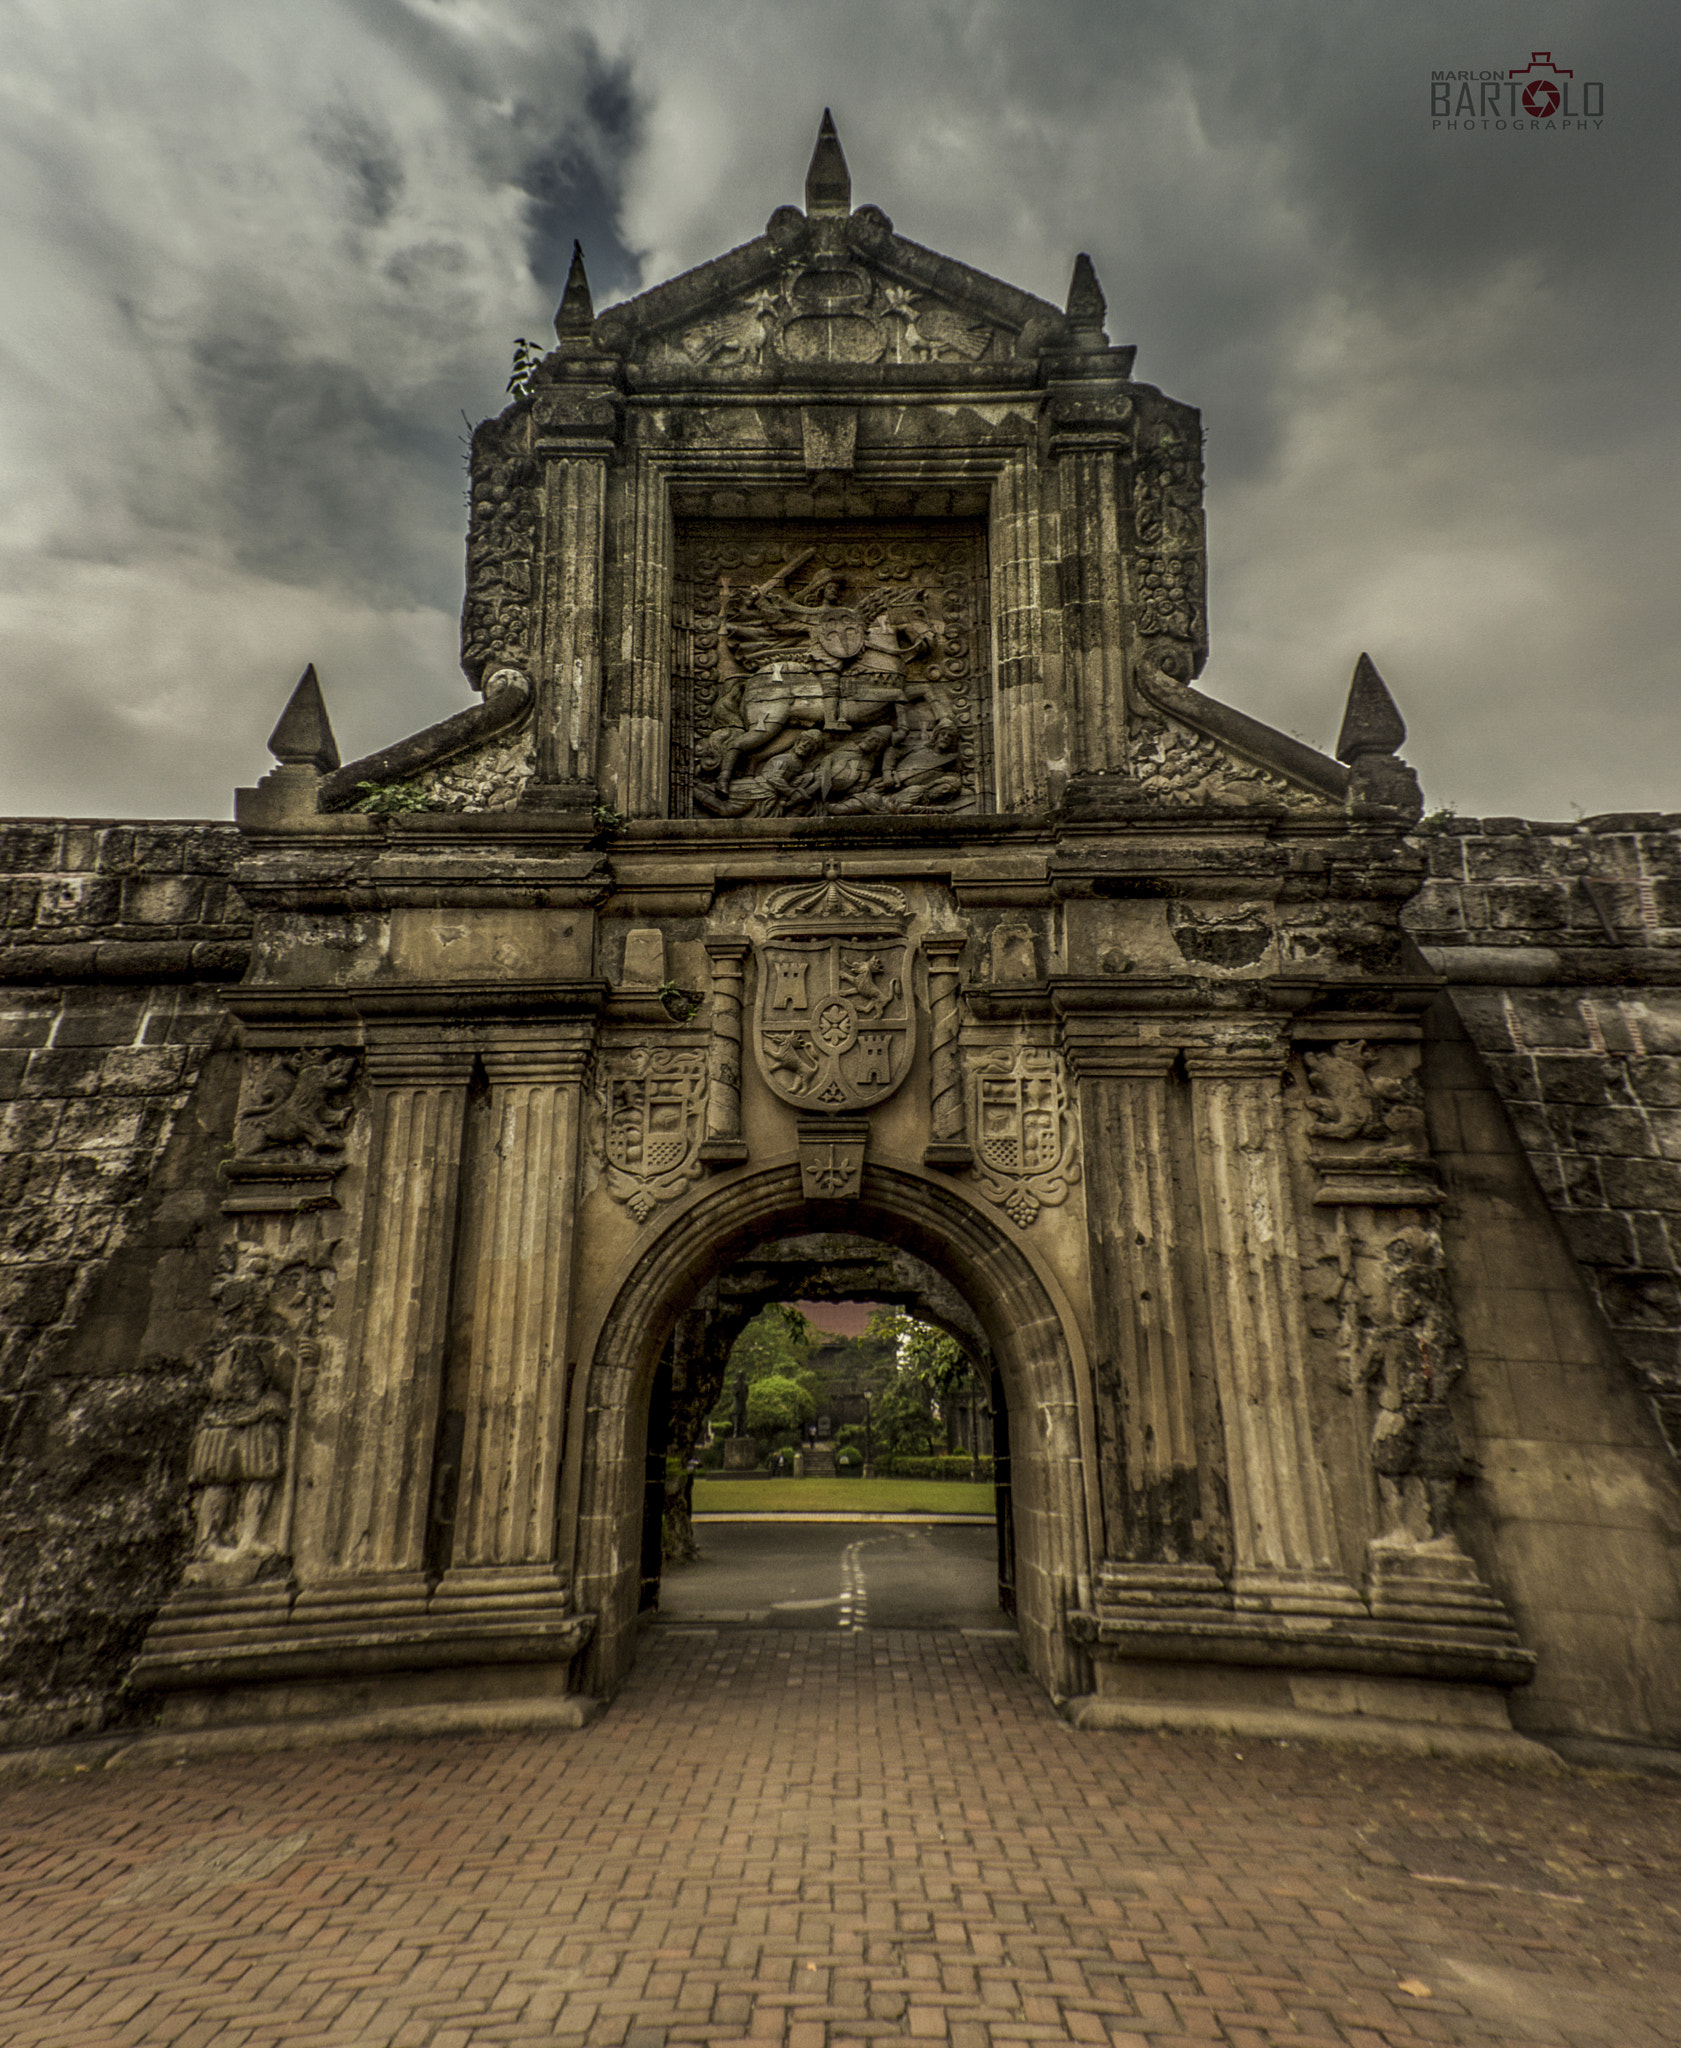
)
(263, 261)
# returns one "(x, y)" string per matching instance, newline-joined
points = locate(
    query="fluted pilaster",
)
(388, 1408)
(1283, 1540)
(521, 1293)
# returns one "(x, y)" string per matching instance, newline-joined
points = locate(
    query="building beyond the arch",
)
(840, 843)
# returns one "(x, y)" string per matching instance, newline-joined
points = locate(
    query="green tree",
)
(932, 1376)
(777, 1404)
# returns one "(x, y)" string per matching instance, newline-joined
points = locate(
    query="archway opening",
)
(828, 1382)
(744, 1237)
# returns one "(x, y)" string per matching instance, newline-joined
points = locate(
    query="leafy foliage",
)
(777, 1405)
(390, 799)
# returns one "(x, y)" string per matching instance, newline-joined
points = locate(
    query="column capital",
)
(559, 1055)
(1096, 1053)
(946, 947)
(726, 946)
(400, 1063)
(1236, 1062)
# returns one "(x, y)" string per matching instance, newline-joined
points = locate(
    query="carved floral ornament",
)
(1023, 1125)
(648, 1124)
(835, 1026)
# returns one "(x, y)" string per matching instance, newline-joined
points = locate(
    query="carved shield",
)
(654, 1106)
(840, 634)
(836, 1019)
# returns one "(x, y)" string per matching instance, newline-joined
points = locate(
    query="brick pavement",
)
(817, 1840)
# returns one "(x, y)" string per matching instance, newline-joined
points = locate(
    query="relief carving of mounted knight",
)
(826, 685)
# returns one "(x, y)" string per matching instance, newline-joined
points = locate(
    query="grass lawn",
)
(841, 1496)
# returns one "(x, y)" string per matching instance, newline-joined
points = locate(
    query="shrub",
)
(933, 1468)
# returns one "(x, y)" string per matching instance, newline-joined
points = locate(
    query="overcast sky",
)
(259, 262)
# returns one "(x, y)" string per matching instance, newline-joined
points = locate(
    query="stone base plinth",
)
(363, 1646)
(741, 1454)
(1414, 1715)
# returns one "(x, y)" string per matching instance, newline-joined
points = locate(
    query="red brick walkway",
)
(824, 1839)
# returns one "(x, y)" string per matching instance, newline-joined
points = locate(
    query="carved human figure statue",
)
(239, 1450)
(739, 1395)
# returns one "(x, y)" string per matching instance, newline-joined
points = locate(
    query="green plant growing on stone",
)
(607, 819)
(390, 799)
(680, 1003)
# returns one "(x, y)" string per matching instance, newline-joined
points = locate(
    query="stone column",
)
(521, 1291)
(576, 427)
(947, 1110)
(1283, 1540)
(1027, 651)
(1092, 608)
(387, 1407)
(646, 635)
(724, 1145)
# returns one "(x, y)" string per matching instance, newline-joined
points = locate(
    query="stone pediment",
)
(829, 291)
(1188, 750)
(826, 287)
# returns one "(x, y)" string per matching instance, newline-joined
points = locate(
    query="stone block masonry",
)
(1562, 947)
(117, 1092)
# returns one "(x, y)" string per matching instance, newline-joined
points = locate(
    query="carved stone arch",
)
(1029, 1325)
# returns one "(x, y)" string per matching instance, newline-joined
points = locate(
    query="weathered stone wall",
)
(1562, 946)
(117, 1087)
(1553, 1083)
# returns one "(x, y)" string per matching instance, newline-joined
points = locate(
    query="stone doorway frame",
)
(1037, 1348)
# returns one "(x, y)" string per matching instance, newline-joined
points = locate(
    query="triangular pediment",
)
(1188, 750)
(829, 290)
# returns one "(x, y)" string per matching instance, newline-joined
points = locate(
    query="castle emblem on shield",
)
(836, 1021)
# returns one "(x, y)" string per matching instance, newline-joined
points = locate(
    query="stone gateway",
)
(841, 883)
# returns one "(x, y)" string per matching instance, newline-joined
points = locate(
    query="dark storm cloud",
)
(263, 262)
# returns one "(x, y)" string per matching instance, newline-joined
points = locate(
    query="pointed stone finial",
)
(1371, 724)
(1086, 305)
(575, 318)
(304, 736)
(1372, 729)
(828, 183)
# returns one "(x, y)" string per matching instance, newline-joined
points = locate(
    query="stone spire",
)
(1371, 724)
(1372, 730)
(304, 736)
(576, 315)
(828, 183)
(1086, 305)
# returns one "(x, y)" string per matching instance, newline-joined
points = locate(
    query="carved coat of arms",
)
(652, 1106)
(836, 1020)
(1024, 1130)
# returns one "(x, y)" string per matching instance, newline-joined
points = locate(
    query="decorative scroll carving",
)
(1023, 1129)
(650, 1122)
(501, 545)
(837, 676)
(242, 1467)
(299, 1103)
(1169, 595)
